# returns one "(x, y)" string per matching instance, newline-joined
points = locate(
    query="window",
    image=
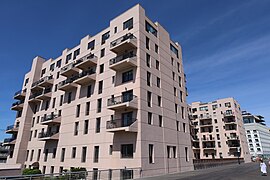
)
(84, 150)
(54, 153)
(219, 144)
(148, 78)
(174, 50)
(69, 97)
(35, 134)
(127, 151)
(98, 125)
(183, 112)
(43, 72)
(68, 57)
(44, 170)
(47, 104)
(38, 155)
(102, 53)
(177, 125)
(96, 154)
(32, 154)
(151, 153)
(127, 76)
(178, 67)
(158, 82)
(149, 28)
(52, 169)
(78, 108)
(184, 127)
(27, 154)
(61, 100)
(89, 88)
(26, 81)
(113, 79)
(52, 67)
(86, 126)
(156, 48)
(228, 104)
(62, 159)
(159, 101)
(186, 154)
(91, 45)
(99, 105)
(33, 122)
(53, 103)
(160, 121)
(30, 137)
(46, 155)
(147, 43)
(76, 128)
(148, 61)
(115, 29)
(58, 63)
(174, 91)
(87, 108)
(128, 24)
(149, 118)
(149, 98)
(100, 87)
(176, 108)
(73, 153)
(157, 64)
(173, 75)
(101, 68)
(105, 37)
(110, 149)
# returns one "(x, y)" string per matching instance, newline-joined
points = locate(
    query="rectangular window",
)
(38, 155)
(61, 100)
(89, 88)
(178, 67)
(84, 150)
(147, 43)
(148, 60)
(87, 108)
(105, 37)
(158, 82)
(69, 97)
(183, 112)
(86, 126)
(184, 127)
(149, 28)
(102, 53)
(148, 78)
(157, 64)
(127, 76)
(46, 155)
(26, 81)
(99, 105)
(43, 72)
(100, 87)
(177, 125)
(176, 108)
(53, 103)
(111, 150)
(91, 45)
(52, 67)
(27, 154)
(160, 121)
(30, 136)
(149, 118)
(186, 154)
(156, 48)
(52, 169)
(98, 125)
(96, 154)
(127, 151)
(62, 159)
(174, 50)
(159, 101)
(73, 153)
(44, 170)
(115, 29)
(54, 153)
(149, 98)
(76, 128)
(32, 154)
(174, 152)
(58, 63)
(151, 153)
(101, 68)
(78, 109)
(180, 81)
(128, 24)
(68, 57)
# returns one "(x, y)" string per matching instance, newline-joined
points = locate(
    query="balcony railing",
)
(47, 134)
(8, 140)
(86, 73)
(18, 103)
(19, 92)
(120, 99)
(208, 139)
(46, 78)
(67, 81)
(49, 117)
(234, 145)
(122, 57)
(208, 146)
(205, 116)
(12, 127)
(206, 124)
(122, 39)
(117, 123)
(228, 113)
(85, 58)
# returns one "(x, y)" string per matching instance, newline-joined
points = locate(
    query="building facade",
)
(218, 130)
(258, 134)
(3, 153)
(115, 101)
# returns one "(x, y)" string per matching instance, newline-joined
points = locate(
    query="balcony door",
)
(127, 96)
(126, 119)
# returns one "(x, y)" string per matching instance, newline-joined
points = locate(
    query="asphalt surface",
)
(248, 171)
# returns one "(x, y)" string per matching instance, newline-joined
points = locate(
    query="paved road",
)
(248, 171)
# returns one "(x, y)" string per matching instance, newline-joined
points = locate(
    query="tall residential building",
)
(258, 134)
(3, 153)
(218, 130)
(115, 101)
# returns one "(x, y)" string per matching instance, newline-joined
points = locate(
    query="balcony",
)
(20, 95)
(87, 61)
(17, 106)
(9, 141)
(117, 125)
(233, 138)
(43, 82)
(124, 61)
(208, 139)
(33, 97)
(46, 94)
(69, 70)
(209, 147)
(68, 84)
(205, 117)
(234, 146)
(46, 136)
(86, 77)
(123, 102)
(51, 119)
(124, 43)
(228, 114)
(12, 129)
(206, 124)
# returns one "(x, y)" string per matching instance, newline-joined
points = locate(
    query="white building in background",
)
(258, 134)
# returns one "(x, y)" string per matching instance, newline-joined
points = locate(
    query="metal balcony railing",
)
(86, 73)
(18, 103)
(47, 134)
(228, 113)
(46, 78)
(234, 145)
(205, 116)
(117, 123)
(11, 127)
(85, 58)
(120, 99)
(19, 92)
(49, 117)
(208, 139)
(122, 57)
(122, 39)
(8, 140)
(208, 146)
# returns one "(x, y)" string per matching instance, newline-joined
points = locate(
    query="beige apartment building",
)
(115, 101)
(218, 130)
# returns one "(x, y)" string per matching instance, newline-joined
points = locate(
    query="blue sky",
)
(226, 44)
